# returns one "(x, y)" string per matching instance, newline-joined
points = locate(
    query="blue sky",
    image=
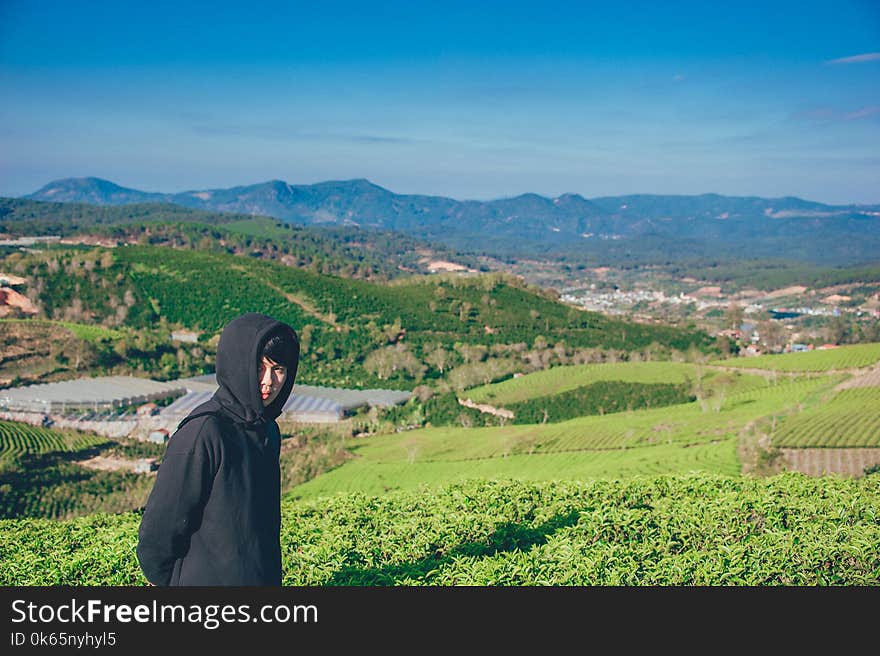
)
(472, 100)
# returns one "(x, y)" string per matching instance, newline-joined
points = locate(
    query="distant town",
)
(791, 318)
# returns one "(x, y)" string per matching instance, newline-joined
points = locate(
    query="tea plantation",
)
(694, 529)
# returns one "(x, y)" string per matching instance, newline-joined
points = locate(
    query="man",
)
(213, 516)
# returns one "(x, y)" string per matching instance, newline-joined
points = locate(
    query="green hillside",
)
(346, 251)
(355, 333)
(17, 440)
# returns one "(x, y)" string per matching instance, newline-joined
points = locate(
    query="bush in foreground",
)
(669, 530)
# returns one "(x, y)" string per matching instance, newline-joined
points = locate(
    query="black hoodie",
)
(213, 516)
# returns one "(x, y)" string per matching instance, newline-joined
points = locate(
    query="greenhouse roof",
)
(86, 392)
(117, 391)
(347, 398)
(297, 404)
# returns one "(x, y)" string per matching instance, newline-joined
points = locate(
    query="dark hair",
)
(281, 349)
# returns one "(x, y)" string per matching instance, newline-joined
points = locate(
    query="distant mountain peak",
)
(68, 183)
(93, 190)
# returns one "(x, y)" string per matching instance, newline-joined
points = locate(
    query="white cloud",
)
(864, 112)
(857, 59)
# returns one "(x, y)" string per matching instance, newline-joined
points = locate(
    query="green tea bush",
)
(666, 530)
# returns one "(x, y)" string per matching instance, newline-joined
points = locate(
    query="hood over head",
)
(238, 357)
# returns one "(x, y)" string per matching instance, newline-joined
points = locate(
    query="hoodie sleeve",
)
(174, 507)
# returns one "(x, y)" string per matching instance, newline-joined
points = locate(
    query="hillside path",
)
(485, 407)
(308, 308)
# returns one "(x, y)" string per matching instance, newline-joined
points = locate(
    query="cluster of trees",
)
(150, 353)
(79, 285)
(847, 329)
(297, 247)
(602, 397)
(844, 328)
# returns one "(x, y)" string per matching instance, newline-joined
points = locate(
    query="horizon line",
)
(367, 180)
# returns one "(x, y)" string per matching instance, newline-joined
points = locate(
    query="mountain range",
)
(604, 230)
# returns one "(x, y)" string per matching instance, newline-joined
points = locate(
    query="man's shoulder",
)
(204, 428)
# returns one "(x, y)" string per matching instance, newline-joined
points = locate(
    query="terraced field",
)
(40, 477)
(673, 439)
(849, 418)
(18, 439)
(830, 461)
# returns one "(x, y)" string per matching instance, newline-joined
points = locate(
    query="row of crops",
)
(39, 475)
(852, 356)
(692, 529)
(850, 418)
(17, 439)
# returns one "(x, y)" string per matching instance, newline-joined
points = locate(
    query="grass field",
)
(89, 333)
(673, 439)
(852, 356)
(258, 227)
(382, 477)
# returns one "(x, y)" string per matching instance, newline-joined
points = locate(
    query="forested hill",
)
(354, 332)
(339, 250)
(606, 230)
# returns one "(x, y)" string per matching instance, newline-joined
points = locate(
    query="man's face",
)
(271, 379)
